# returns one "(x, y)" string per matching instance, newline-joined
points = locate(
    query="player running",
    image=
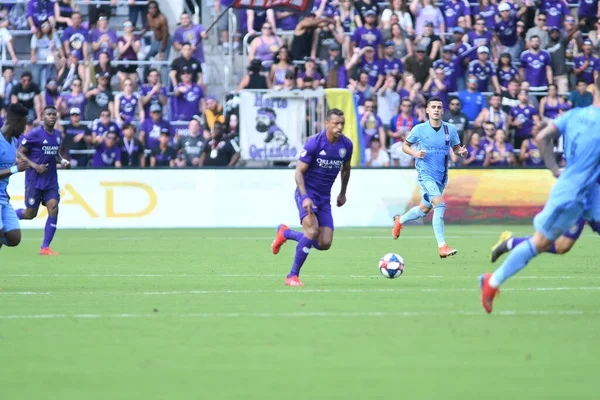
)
(435, 138)
(41, 149)
(575, 194)
(323, 157)
(16, 119)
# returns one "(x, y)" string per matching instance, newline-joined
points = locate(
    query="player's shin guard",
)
(49, 231)
(302, 250)
(290, 234)
(412, 214)
(516, 261)
(438, 223)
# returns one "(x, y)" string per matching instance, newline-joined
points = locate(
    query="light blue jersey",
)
(437, 144)
(8, 157)
(574, 194)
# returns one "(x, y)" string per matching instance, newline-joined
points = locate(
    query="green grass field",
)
(204, 314)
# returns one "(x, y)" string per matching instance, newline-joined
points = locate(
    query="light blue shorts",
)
(429, 190)
(558, 216)
(8, 218)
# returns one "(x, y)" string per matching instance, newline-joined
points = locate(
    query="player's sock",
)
(514, 242)
(291, 234)
(412, 214)
(516, 260)
(302, 250)
(19, 213)
(315, 244)
(49, 231)
(438, 223)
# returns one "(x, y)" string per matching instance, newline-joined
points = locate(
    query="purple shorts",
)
(34, 196)
(323, 209)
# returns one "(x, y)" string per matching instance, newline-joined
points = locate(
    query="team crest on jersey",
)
(342, 153)
(303, 153)
(574, 229)
(31, 201)
(23, 142)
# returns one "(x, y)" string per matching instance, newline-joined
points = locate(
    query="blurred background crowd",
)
(132, 93)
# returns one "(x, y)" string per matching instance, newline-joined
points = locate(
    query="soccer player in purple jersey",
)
(323, 157)
(41, 149)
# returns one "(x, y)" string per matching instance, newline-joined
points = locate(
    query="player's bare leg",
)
(12, 238)
(308, 240)
(439, 207)
(325, 238)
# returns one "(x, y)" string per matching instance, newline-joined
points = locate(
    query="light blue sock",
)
(412, 214)
(516, 261)
(438, 223)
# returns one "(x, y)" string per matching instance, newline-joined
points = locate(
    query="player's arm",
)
(345, 173)
(460, 150)
(22, 155)
(61, 160)
(545, 138)
(19, 167)
(301, 169)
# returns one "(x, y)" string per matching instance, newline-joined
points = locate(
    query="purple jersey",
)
(188, 104)
(464, 51)
(97, 34)
(588, 73)
(555, 11)
(479, 155)
(40, 10)
(99, 129)
(359, 97)
(393, 66)
(288, 23)
(476, 40)
(105, 157)
(128, 106)
(367, 37)
(505, 76)
(42, 149)
(75, 101)
(370, 128)
(449, 72)
(505, 155)
(374, 69)
(525, 115)
(129, 54)
(348, 23)
(535, 156)
(535, 68)
(192, 35)
(325, 159)
(488, 14)
(507, 31)
(588, 8)
(454, 9)
(153, 131)
(147, 88)
(483, 72)
(434, 90)
(76, 38)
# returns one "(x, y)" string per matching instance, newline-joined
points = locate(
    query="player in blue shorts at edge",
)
(41, 149)
(323, 157)
(575, 194)
(16, 119)
(435, 138)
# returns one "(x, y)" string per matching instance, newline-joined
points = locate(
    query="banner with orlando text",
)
(295, 6)
(271, 128)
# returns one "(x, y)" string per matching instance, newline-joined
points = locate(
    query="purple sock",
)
(516, 241)
(49, 231)
(315, 245)
(552, 249)
(292, 235)
(19, 213)
(302, 250)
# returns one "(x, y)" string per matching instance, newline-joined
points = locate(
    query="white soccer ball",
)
(391, 266)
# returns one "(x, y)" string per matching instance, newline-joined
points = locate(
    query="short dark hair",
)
(186, 44)
(127, 125)
(334, 111)
(496, 95)
(534, 37)
(49, 108)
(433, 99)
(453, 98)
(17, 109)
(26, 74)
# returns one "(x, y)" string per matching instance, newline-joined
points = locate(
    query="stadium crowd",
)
(501, 68)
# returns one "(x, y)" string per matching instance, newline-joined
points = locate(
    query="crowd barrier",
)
(265, 197)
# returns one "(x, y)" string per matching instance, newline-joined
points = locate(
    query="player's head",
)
(49, 116)
(128, 130)
(334, 123)
(435, 108)
(16, 119)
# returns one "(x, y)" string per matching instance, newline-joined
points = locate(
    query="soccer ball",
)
(391, 266)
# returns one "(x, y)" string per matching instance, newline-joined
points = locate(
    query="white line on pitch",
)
(405, 314)
(301, 291)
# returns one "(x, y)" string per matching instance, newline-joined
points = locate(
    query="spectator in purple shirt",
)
(586, 65)
(506, 31)
(75, 42)
(104, 125)
(163, 155)
(368, 35)
(522, 118)
(484, 70)
(371, 125)
(437, 85)
(389, 64)
(480, 37)
(153, 92)
(427, 11)
(188, 98)
(73, 99)
(555, 11)
(153, 126)
(108, 154)
(536, 66)
(500, 153)
(38, 11)
(310, 69)
(129, 46)
(588, 11)
(476, 153)
(103, 38)
(447, 64)
(506, 71)
(454, 9)
(192, 34)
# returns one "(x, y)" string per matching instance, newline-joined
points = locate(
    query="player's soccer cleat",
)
(279, 239)
(47, 252)
(397, 227)
(487, 292)
(500, 247)
(293, 281)
(446, 251)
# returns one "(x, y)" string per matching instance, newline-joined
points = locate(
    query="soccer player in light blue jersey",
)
(16, 119)
(573, 197)
(434, 140)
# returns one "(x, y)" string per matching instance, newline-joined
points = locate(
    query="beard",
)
(262, 127)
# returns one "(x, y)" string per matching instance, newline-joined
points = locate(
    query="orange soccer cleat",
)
(487, 292)
(279, 239)
(446, 251)
(397, 227)
(47, 252)
(293, 281)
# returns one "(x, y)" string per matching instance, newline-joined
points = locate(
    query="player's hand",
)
(462, 151)
(65, 163)
(341, 200)
(22, 165)
(308, 205)
(420, 154)
(41, 168)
